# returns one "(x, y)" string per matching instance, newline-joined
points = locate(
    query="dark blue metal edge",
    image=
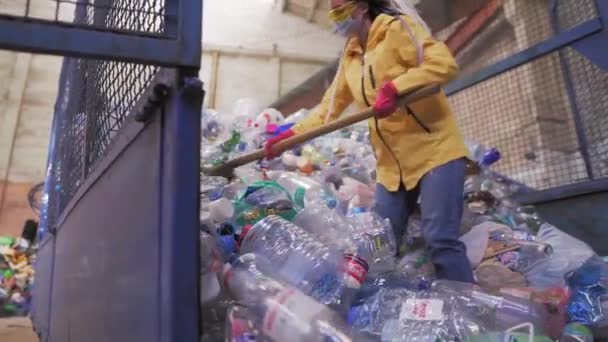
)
(562, 192)
(557, 42)
(179, 213)
(39, 36)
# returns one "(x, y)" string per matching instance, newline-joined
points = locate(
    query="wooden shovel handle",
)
(294, 141)
(335, 125)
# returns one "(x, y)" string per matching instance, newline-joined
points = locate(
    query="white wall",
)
(258, 52)
(240, 33)
(258, 24)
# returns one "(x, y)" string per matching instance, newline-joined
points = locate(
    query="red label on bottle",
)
(355, 267)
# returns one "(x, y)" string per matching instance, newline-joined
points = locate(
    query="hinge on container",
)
(160, 92)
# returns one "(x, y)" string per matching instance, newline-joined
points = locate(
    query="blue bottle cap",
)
(353, 315)
(227, 244)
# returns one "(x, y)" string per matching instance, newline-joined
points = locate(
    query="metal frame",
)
(179, 49)
(581, 36)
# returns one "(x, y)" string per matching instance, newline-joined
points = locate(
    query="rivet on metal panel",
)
(193, 86)
(159, 94)
(53, 230)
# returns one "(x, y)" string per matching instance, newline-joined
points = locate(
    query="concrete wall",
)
(251, 50)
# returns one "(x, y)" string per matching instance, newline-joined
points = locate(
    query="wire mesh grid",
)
(138, 16)
(520, 24)
(526, 113)
(589, 83)
(95, 99)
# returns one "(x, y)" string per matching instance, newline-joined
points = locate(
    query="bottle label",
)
(422, 310)
(290, 315)
(517, 235)
(298, 196)
(355, 267)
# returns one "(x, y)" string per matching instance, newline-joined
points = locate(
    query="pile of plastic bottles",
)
(292, 251)
(16, 276)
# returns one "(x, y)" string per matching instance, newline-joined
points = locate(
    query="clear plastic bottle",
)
(399, 315)
(365, 234)
(284, 313)
(306, 191)
(303, 261)
(211, 266)
(504, 233)
(297, 255)
(507, 311)
(417, 269)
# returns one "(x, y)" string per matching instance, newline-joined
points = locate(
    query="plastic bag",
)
(568, 255)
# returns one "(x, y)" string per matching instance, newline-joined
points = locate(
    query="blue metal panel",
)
(179, 211)
(189, 30)
(62, 39)
(107, 260)
(41, 292)
(594, 47)
(564, 192)
(559, 41)
(583, 217)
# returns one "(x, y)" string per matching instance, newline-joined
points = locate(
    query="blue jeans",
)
(441, 205)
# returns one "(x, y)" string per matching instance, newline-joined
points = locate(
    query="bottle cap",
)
(353, 315)
(244, 233)
(227, 244)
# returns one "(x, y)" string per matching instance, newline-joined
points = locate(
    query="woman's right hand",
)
(274, 140)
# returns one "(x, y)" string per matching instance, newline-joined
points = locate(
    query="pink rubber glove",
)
(272, 141)
(386, 101)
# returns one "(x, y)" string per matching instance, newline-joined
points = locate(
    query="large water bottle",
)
(366, 235)
(306, 191)
(508, 311)
(297, 255)
(303, 261)
(284, 313)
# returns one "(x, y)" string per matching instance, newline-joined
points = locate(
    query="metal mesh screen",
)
(138, 16)
(589, 87)
(549, 116)
(527, 114)
(95, 98)
(521, 24)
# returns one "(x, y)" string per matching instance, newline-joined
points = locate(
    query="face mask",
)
(343, 18)
(346, 26)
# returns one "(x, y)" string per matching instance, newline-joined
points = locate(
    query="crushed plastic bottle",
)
(418, 269)
(404, 316)
(284, 313)
(507, 311)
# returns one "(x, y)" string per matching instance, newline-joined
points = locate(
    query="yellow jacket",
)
(406, 146)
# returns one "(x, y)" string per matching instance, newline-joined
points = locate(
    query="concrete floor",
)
(17, 330)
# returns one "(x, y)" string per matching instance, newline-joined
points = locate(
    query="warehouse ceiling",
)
(439, 14)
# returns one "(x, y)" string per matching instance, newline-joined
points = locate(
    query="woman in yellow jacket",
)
(419, 149)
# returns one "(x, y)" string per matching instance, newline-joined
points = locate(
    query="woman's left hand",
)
(386, 101)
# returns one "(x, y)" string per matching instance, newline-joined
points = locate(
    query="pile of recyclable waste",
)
(291, 250)
(16, 276)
